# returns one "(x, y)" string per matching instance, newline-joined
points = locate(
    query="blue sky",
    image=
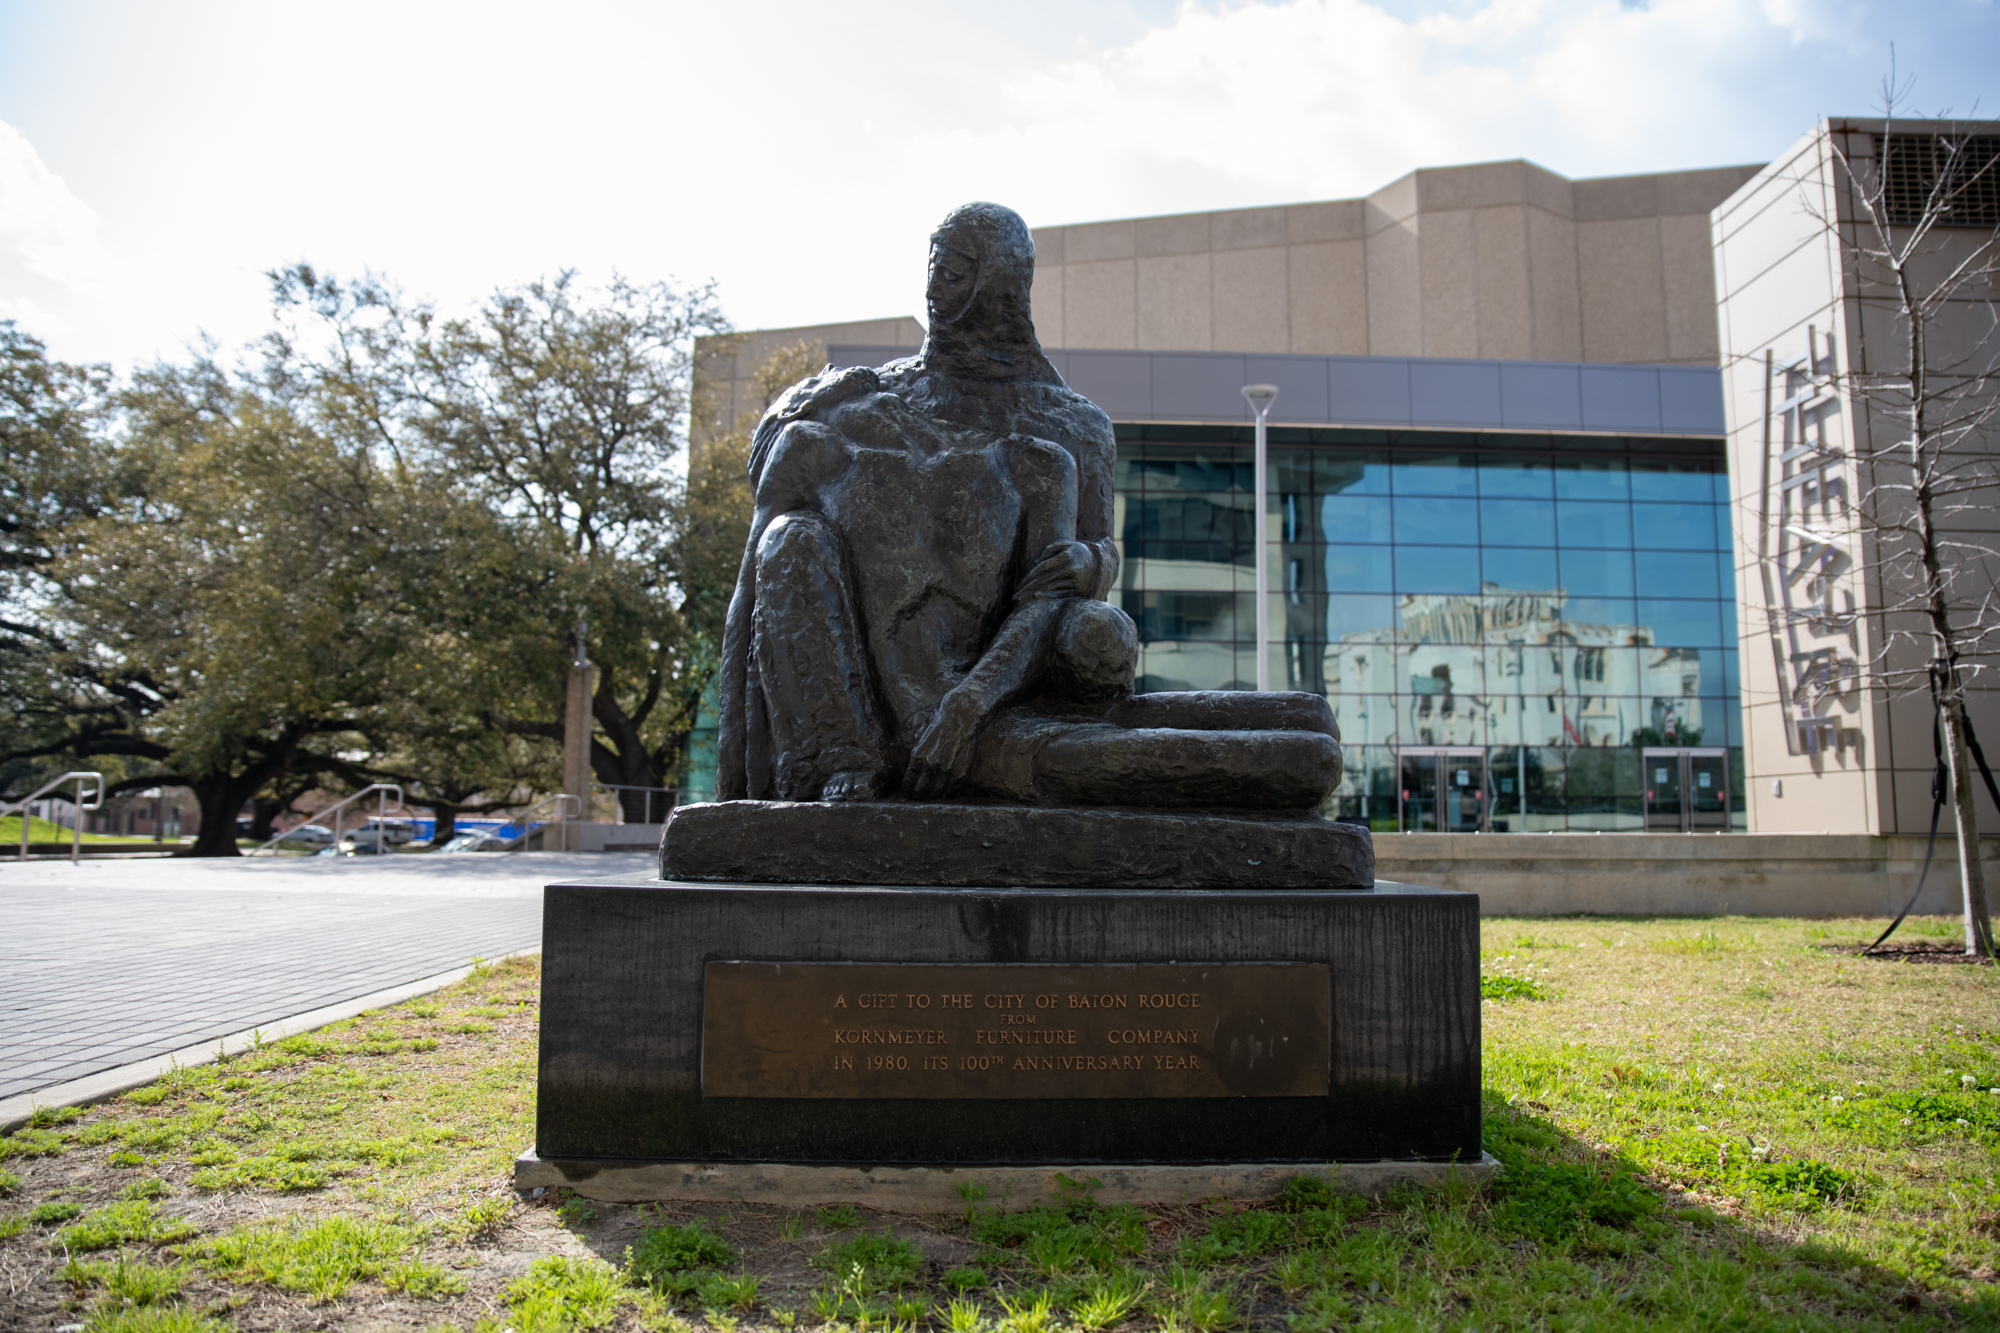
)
(156, 159)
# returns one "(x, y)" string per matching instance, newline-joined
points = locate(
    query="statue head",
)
(982, 268)
(978, 249)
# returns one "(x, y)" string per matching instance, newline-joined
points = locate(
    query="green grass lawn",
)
(1705, 1124)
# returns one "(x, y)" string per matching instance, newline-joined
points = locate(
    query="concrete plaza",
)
(108, 963)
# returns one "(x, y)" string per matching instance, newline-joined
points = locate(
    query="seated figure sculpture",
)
(921, 610)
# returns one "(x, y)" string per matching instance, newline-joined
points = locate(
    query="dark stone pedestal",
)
(624, 962)
(968, 846)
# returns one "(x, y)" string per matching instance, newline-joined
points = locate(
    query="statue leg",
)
(1159, 766)
(814, 690)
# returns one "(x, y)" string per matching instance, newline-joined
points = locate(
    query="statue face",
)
(954, 280)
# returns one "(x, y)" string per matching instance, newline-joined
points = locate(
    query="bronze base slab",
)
(975, 846)
(913, 1189)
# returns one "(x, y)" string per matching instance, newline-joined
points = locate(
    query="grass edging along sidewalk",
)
(1705, 1123)
(19, 1110)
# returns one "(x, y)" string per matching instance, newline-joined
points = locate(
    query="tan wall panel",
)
(1183, 234)
(1450, 283)
(1046, 300)
(1556, 307)
(1688, 276)
(1329, 299)
(1096, 241)
(1340, 220)
(1175, 310)
(1252, 306)
(1506, 308)
(1099, 307)
(1248, 228)
(1618, 267)
(1395, 319)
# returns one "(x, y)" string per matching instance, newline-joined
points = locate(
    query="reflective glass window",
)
(1593, 523)
(1198, 566)
(1212, 517)
(1528, 476)
(1596, 573)
(1435, 474)
(1671, 481)
(1519, 569)
(1591, 479)
(1517, 522)
(1354, 518)
(1437, 569)
(1435, 521)
(1359, 613)
(1297, 569)
(1679, 574)
(1350, 472)
(1193, 467)
(1359, 569)
(1674, 527)
(1161, 614)
(1588, 615)
(1187, 666)
(1695, 624)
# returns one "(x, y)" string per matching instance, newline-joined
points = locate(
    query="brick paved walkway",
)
(106, 963)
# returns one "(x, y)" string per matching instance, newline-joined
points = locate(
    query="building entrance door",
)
(1444, 790)
(1687, 789)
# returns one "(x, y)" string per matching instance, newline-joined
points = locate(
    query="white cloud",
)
(50, 231)
(799, 153)
(1329, 98)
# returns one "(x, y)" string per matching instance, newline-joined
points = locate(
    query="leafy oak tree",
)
(562, 411)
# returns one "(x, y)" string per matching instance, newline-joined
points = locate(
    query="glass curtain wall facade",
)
(1517, 632)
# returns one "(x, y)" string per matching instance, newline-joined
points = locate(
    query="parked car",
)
(393, 829)
(366, 842)
(318, 835)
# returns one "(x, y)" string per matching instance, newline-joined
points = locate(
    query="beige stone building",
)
(1834, 743)
(1456, 324)
(1503, 261)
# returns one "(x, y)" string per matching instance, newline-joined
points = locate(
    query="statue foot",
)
(855, 786)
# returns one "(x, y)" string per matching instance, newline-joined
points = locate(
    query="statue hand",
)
(1066, 569)
(943, 753)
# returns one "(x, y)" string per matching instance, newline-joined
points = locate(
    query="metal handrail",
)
(559, 815)
(76, 829)
(381, 812)
(672, 795)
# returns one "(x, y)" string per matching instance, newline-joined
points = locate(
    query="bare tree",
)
(1914, 215)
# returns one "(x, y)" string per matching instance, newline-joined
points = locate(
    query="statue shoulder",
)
(811, 398)
(1086, 423)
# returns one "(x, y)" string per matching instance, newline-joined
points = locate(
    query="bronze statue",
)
(920, 612)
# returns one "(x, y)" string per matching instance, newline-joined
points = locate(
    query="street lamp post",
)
(1261, 396)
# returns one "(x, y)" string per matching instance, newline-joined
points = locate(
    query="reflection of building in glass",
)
(1508, 665)
(1551, 604)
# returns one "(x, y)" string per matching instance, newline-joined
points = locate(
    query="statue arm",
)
(1087, 565)
(1012, 664)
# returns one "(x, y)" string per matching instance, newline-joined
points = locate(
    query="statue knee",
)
(1096, 651)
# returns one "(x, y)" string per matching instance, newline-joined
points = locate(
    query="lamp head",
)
(1260, 396)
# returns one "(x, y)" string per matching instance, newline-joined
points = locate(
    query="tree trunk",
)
(220, 799)
(1978, 921)
(264, 810)
(444, 825)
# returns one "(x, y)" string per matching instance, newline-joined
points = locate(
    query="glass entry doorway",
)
(1443, 790)
(1687, 790)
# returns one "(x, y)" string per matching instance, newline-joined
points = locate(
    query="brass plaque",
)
(1014, 1030)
